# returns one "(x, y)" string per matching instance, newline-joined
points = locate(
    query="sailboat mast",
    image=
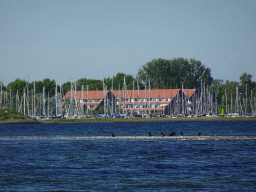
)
(149, 97)
(82, 99)
(1, 93)
(34, 98)
(119, 103)
(24, 105)
(133, 94)
(125, 97)
(112, 106)
(138, 97)
(87, 100)
(226, 100)
(245, 100)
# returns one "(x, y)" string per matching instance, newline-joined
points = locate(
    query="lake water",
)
(127, 164)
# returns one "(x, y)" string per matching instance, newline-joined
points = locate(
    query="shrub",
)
(2, 113)
(5, 117)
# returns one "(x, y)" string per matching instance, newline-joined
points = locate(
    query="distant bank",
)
(119, 120)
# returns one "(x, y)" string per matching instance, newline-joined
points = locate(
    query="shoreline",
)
(126, 120)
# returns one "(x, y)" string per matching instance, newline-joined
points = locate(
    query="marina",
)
(147, 103)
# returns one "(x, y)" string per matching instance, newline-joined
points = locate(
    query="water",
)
(127, 165)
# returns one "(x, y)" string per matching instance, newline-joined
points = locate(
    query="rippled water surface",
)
(128, 165)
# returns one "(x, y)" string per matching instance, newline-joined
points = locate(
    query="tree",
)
(66, 87)
(218, 83)
(17, 85)
(171, 73)
(3, 87)
(245, 79)
(119, 80)
(92, 84)
(49, 85)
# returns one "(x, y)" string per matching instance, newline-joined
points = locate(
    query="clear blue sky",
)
(96, 38)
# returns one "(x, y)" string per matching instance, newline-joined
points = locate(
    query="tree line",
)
(160, 73)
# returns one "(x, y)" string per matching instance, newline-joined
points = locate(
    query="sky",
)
(67, 40)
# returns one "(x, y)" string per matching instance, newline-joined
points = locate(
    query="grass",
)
(11, 115)
(115, 120)
(15, 117)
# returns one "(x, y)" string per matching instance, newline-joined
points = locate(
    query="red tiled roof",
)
(154, 93)
(188, 92)
(91, 94)
(143, 109)
(146, 102)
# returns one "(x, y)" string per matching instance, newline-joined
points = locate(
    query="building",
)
(163, 101)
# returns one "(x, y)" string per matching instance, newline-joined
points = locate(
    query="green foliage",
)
(6, 117)
(230, 87)
(245, 79)
(92, 84)
(119, 80)
(171, 73)
(217, 83)
(100, 110)
(50, 86)
(17, 85)
(3, 113)
(3, 87)
(11, 115)
(66, 87)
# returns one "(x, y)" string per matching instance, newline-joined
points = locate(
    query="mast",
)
(119, 100)
(245, 101)
(237, 102)
(1, 93)
(226, 101)
(112, 106)
(201, 98)
(251, 103)
(96, 95)
(138, 97)
(44, 100)
(24, 105)
(204, 101)
(156, 98)
(82, 99)
(10, 99)
(145, 97)
(17, 97)
(149, 97)
(133, 94)
(71, 100)
(216, 102)
(48, 105)
(75, 100)
(125, 97)
(56, 99)
(231, 104)
(87, 99)
(28, 100)
(104, 98)
(163, 102)
(34, 98)
(182, 98)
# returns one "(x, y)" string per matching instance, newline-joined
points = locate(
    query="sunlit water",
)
(128, 165)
